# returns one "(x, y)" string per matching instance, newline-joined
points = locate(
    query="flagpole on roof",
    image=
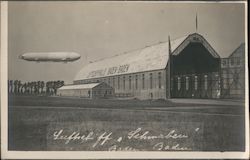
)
(196, 23)
(169, 67)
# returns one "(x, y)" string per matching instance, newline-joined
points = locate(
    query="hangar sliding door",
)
(206, 85)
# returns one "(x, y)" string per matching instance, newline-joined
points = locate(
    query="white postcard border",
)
(102, 154)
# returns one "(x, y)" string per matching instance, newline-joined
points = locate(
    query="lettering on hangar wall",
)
(109, 71)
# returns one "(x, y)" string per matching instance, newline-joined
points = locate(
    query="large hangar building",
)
(186, 67)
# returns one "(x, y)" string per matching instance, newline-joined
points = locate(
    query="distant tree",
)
(31, 87)
(51, 86)
(32, 84)
(28, 88)
(48, 87)
(42, 86)
(53, 83)
(62, 83)
(21, 88)
(15, 86)
(25, 88)
(19, 85)
(56, 85)
(38, 84)
(34, 87)
(10, 86)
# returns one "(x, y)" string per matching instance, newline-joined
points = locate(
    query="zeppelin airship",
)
(50, 56)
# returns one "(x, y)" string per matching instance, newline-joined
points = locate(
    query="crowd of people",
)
(34, 87)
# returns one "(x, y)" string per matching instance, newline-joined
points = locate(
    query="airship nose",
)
(77, 56)
(20, 57)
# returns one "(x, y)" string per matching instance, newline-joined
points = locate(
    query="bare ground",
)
(33, 120)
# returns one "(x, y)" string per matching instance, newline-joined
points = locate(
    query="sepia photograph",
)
(147, 79)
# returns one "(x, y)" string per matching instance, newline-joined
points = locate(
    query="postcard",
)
(124, 80)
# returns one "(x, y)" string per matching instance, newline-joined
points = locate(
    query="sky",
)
(98, 30)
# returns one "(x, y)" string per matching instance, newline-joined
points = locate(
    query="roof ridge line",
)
(126, 52)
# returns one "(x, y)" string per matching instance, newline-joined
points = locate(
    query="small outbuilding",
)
(90, 90)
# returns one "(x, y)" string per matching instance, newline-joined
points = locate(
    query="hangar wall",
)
(143, 85)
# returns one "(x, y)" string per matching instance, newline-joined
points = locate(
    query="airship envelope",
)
(50, 56)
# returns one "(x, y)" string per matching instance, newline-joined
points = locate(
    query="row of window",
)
(232, 61)
(137, 81)
(121, 81)
(102, 92)
(187, 81)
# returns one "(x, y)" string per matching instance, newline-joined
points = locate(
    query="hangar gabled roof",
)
(239, 51)
(150, 58)
(80, 86)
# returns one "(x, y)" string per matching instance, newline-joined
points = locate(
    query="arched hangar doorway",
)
(195, 68)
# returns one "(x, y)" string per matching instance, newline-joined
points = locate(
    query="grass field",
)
(34, 120)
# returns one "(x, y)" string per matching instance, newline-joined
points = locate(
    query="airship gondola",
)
(50, 56)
